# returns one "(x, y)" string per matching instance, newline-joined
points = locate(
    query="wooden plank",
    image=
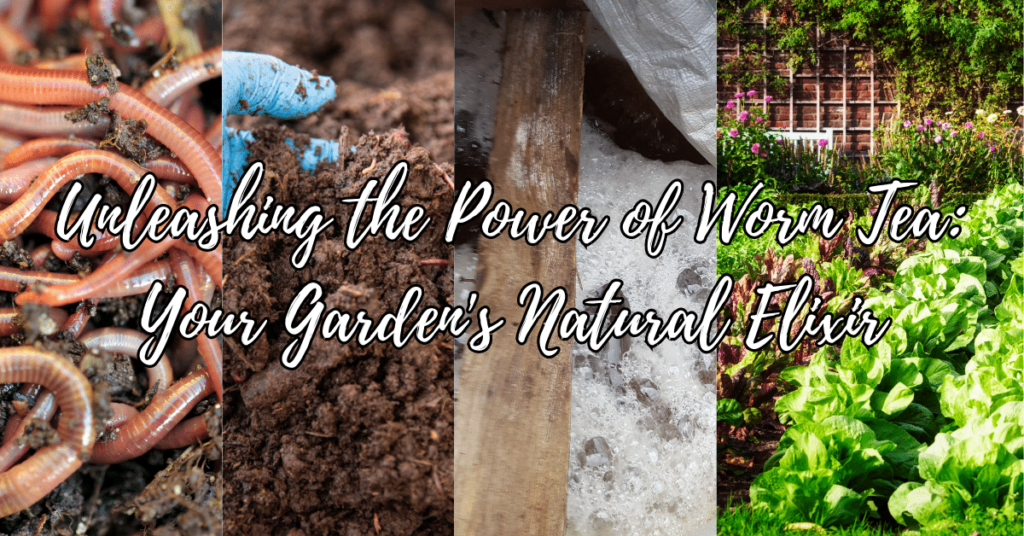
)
(512, 415)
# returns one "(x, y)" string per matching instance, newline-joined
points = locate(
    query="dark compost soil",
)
(356, 440)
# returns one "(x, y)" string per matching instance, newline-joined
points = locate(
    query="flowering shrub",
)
(748, 154)
(970, 154)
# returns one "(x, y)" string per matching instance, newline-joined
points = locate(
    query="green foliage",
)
(928, 420)
(960, 154)
(946, 53)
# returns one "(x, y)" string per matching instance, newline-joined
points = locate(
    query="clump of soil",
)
(355, 440)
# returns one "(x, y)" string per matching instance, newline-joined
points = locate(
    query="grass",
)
(743, 520)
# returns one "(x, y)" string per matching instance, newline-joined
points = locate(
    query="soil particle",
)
(101, 71)
(129, 137)
(92, 112)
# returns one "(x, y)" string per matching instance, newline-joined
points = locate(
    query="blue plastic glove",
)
(257, 84)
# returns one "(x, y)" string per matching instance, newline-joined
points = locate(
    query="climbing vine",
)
(951, 54)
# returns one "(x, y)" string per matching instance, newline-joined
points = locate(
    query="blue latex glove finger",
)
(257, 84)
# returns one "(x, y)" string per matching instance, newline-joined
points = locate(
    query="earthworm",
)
(9, 142)
(46, 222)
(19, 215)
(12, 42)
(435, 262)
(14, 181)
(76, 323)
(103, 277)
(33, 120)
(51, 12)
(164, 167)
(40, 254)
(121, 413)
(187, 274)
(44, 410)
(139, 282)
(14, 280)
(190, 73)
(127, 342)
(187, 432)
(74, 62)
(25, 85)
(18, 13)
(215, 134)
(7, 325)
(140, 434)
(192, 113)
(28, 482)
(104, 14)
(44, 147)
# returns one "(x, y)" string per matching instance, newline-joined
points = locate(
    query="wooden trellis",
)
(850, 101)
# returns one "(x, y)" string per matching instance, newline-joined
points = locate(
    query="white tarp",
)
(670, 45)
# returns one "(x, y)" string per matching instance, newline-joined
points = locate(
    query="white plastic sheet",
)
(670, 45)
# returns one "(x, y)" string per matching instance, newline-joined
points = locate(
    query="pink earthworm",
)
(44, 409)
(76, 323)
(138, 282)
(25, 85)
(30, 120)
(14, 279)
(214, 134)
(28, 482)
(18, 216)
(103, 277)
(172, 84)
(168, 408)
(187, 274)
(7, 325)
(51, 12)
(40, 254)
(188, 432)
(44, 147)
(14, 181)
(13, 42)
(74, 62)
(127, 342)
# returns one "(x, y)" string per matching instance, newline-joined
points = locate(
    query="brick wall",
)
(845, 91)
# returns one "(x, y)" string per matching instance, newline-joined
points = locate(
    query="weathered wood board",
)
(512, 415)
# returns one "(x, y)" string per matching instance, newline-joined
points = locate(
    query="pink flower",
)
(767, 98)
(938, 139)
(906, 124)
(755, 148)
(945, 126)
(992, 149)
(733, 133)
(758, 119)
(730, 105)
(751, 93)
(920, 128)
(738, 95)
(968, 125)
(952, 134)
(822, 142)
(981, 135)
(744, 115)
(928, 121)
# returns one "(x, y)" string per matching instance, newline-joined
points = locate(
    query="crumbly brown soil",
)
(356, 440)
